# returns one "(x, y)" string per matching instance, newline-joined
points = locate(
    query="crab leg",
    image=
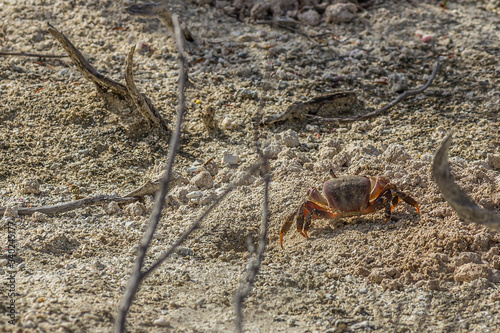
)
(406, 198)
(306, 209)
(318, 213)
(383, 201)
(286, 226)
(309, 209)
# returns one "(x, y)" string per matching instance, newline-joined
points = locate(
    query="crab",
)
(346, 196)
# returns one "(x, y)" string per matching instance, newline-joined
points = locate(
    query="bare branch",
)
(68, 206)
(137, 276)
(88, 72)
(37, 55)
(458, 200)
(254, 265)
(195, 224)
(380, 111)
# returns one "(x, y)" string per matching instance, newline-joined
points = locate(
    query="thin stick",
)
(286, 25)
(87, 70)
(458, 200)
(68, 206)
(196, 223)
(248, 281)
(254, 265)
(37, 55)
(406, 94)
(137, 276)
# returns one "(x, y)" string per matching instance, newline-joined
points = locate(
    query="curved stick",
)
(458, 200)
(398, 100)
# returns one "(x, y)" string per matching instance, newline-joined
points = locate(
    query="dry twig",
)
(161, 12)
(137, 274)
(69, 206)
(458, 200)
(37, 55)
(398, 100)
(141, 101)
(196, 223)
(120, 99)
(253, 267)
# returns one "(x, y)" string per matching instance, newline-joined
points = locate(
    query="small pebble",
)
(426, 39)
(228, 158)
(194, 195)
(244, 93)
(39, 217)
(311, 17)
(312, 128)
(10, 213)
(395, 153)
(272, 151)
(161, 322)
(225, 175)
(203, 180)
(340, 13)
(30, 186)
(29, 324)
(184, 251)
(180, 193)
(493, 161)
(290, 139)
(242, 178)
(397, 82)
(112, 208)
(135, 209)
(229, 124)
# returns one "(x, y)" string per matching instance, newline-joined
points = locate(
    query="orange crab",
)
(346, 196)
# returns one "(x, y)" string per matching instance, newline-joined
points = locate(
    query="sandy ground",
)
(417, 273)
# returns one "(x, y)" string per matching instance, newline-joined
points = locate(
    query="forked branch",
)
(118, 97)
